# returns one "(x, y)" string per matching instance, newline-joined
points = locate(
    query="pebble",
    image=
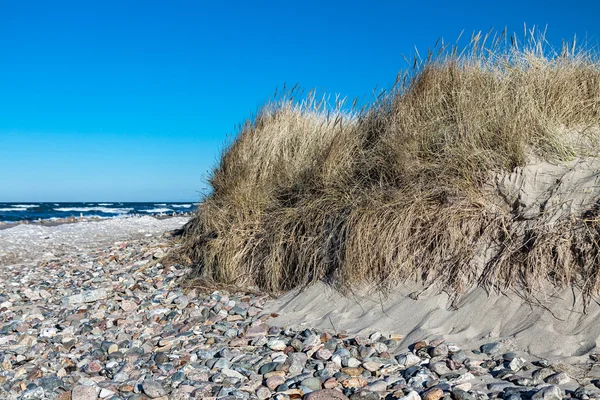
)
(551, 392)
(560, 378)
(81, 392)
(326, 394)
(116, 324)
(491, 348)
(153, 389)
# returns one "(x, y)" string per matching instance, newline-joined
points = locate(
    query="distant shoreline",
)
(74, 220)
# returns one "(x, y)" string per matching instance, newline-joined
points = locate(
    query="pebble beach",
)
(109, 320)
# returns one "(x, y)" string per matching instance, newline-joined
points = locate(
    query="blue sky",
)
(133, 100)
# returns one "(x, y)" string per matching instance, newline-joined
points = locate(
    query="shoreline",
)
(73, 220)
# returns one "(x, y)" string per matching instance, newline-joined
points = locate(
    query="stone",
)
(371, 366)
(268, 367)
(440, 368)
(460, 394)
(412, 395)
(34, 393)
(440, 350)
(93, 367)
(356, 371)
(354, 382)
(323, 354)
(81, 392)
(128, 305)
(433, 394)
(276, 344)
(88, 296)
(263, 393)
(326, 394)
(255, 331)
(365, 395)
(312, 383)
(273, 381)
(377, 386)
(408, 359)
(491, 348)
(350, 362)
(560, 378)
(516, 364)
(153, 389)
(551, 392)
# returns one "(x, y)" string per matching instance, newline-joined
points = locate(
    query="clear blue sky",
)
(133, 100)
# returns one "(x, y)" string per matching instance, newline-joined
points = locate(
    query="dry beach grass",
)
(406, 188)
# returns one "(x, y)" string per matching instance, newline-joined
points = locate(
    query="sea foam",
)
(99, 209)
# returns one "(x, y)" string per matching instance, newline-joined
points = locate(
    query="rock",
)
(232, 374)
(440, 350)
(128, 305)
(268, 367)
(255, 331)
(516, 364)
(326, 394)
(408, 359)
(82, 392)
(354, 382)
(433, 394)
(88, 296)
(365, 395)
(412, 395)
(460, 394)
(263, 393)
(153, 389)
(51, 383)
(491, 348)
(312, 383)
(551, 392)
(350, 362)
(274, 381)
(93, 367)
(276, 344)
(560, 378)
(440, 368)
(353, 371)
(323, 354)
(35, 393)
(371, 366)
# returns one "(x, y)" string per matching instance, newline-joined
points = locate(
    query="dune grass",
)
(400, 190)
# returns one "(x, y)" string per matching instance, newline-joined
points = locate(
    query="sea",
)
(19, 212)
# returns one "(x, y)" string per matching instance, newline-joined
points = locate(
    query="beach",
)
(89, 311)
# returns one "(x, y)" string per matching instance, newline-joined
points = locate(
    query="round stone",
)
(153, 389)
(82, 392)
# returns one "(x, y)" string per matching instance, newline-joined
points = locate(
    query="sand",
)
(556, 328)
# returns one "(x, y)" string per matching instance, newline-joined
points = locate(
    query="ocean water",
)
(15, 212)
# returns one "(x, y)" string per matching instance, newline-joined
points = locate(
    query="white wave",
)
(100, 209)
(181, 205)
(105, 204)
(157, 210)
(25, 205)
(160, 204)
(12, 209)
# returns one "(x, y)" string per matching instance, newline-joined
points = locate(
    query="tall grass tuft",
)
(401, 190)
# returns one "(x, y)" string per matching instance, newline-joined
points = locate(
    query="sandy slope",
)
(556, 328)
